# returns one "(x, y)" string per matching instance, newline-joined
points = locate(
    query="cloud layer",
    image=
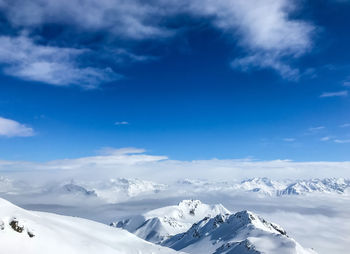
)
(131, 162)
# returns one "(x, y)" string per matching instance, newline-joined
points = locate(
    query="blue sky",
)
(187, 79)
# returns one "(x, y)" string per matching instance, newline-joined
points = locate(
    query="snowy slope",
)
(240, 233)
(159, 224)
(28, 232)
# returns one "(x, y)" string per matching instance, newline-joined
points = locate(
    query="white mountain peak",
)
(160, 224)
(242, 232)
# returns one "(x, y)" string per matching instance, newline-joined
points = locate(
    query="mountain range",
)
(121, 189)
(160, 224)
(194, 227)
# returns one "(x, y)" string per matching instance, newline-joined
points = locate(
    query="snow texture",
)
(23, 231)
(160, 224)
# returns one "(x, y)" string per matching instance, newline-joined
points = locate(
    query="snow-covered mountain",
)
(71, 189)
(69, 192)
(239, 233)
(262, 185)
(121, 189)
(295, 187)
(327, 185)
(29, 232)
(160, 224)
(265, 186)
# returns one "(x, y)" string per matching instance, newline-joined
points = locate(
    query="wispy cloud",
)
(264, 30)
(334, 94)
(346, 83)
(327, 138)
(263, 61)
(345, 125)
(342, 141)
(280, 39)
(12, 128)
(317, 128)
(128, 19)
(121, 123)
(289, 139)
(25, 59)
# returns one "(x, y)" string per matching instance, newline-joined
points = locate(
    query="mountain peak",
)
(242, 232)
(162, 223)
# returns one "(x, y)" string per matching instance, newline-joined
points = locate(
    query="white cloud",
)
(132, 19)
(346, 83)
(267, 32)
(334, 94)
(342, 141)
(52, 65)
(325, 138)
(132, 162)
(264, 29)
(121, 151)
(266, 60)
(317, 128)
(345, 125)
(121, 123)
(289, 139)
(11, 128)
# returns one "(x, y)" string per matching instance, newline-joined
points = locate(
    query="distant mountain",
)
(239, 233)
(160, 224)
(121, 189)
(70, 192)
(327, 185)
(263, 185)
(266, 186)
(29, 232)
(70, 189)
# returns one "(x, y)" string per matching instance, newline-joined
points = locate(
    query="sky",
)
(184, 80)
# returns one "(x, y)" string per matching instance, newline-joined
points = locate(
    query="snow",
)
(327, 185)
(262, 186)
(121, 189)
(159, 224)
(242, 232)
(267, 187)
(29, 232)
(316, 215)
